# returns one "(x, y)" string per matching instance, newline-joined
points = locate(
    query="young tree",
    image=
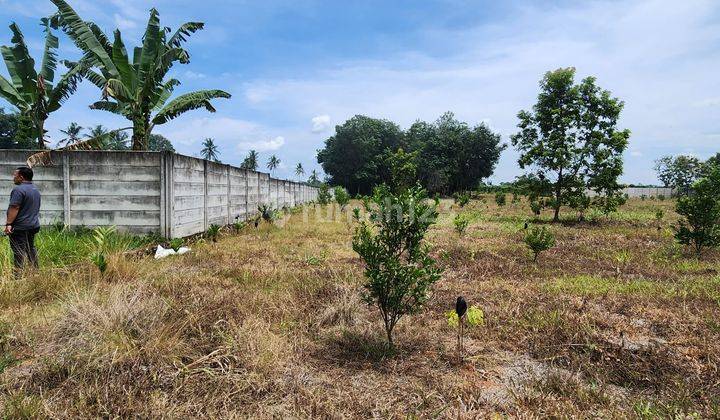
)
(701, 211)
(403, 169)
(398, 268)
(72, 134)
(210, 150)
(273, 163)
(251, 161)
(136, 88)
(299, 171)
(32, 92)
(570, 138)
(341, 197)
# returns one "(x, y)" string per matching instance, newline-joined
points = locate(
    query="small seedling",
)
(659, 214)
(461, 223)
(643, 197)
(100, 240)
(500, 199)
(473, 316)
(623, 258)
(213, 232)
(267, 214)
(539, 239)
(238, 224)
(661, 197)
(356, 214)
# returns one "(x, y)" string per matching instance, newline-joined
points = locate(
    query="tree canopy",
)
(447, 155)
(571, 143)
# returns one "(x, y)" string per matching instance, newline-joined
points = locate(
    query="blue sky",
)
(298, 68)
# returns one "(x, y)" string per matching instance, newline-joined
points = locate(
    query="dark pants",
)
(22, 243)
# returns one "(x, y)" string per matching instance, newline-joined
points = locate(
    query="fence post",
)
(227, 171)
(205, 195)
(247, 193)
(66, 188)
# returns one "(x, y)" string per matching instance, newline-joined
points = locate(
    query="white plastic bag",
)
(162, 252)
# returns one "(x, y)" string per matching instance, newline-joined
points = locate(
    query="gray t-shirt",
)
(27, 197)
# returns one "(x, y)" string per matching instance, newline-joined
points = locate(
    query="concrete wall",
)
(142, 192)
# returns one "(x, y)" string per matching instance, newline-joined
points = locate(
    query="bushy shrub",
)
(461, 223)
(341, 197)
(700, 226)
(539, 239)
(398, 268)
(267, 213)
(500, 198)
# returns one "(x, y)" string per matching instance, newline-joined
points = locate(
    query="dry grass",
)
(269, 323)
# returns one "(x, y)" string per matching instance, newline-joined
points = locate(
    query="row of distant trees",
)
(569, 144)
(449, 154)
(682, 171)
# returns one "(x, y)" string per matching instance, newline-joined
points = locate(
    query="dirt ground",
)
(615, 321)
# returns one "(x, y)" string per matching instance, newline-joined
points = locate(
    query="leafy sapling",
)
(462, 315)
(500, 199)
(700, 225)
(101, 240)
(539, 239)
(462, 198)
(461, 223)
(398, 268)
(341, 197)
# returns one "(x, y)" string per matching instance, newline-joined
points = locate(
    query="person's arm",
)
(13, 209)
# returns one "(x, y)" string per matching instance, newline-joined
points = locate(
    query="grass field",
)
(615, 321)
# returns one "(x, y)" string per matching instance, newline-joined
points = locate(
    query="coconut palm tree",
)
(314, 179)
(210, 150)
(273, 163)
(33, 93)
(72, 134)
(251, 161)
(136, 88)
(100, 133)
(299, 170)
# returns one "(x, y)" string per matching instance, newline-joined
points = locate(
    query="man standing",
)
(23, 218)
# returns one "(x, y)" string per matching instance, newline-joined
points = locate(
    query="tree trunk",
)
(41, 134)
(139, 137)
(558, 192)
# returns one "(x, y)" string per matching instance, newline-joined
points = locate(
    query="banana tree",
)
(33, 93)
(137, 89)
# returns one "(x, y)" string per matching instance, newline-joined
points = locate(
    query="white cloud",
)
(262, 145)
(191, 75)
(492, 72)
(320, 123)
(124, 23)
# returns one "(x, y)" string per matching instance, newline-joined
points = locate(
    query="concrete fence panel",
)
(143, 192)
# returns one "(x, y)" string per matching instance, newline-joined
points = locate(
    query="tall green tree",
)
(700, 211)
(299, 170)
(679, 172)
(251, 161)
(355, 156)
(571, 140)
(210, 150)
(10, 136)
(454, 156)
(138, 88)
(117, 140)
(72, 134)
(31, 92)
(273, 163)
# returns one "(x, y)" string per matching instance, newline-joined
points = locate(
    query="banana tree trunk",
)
(40, 124)
(140, 134)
